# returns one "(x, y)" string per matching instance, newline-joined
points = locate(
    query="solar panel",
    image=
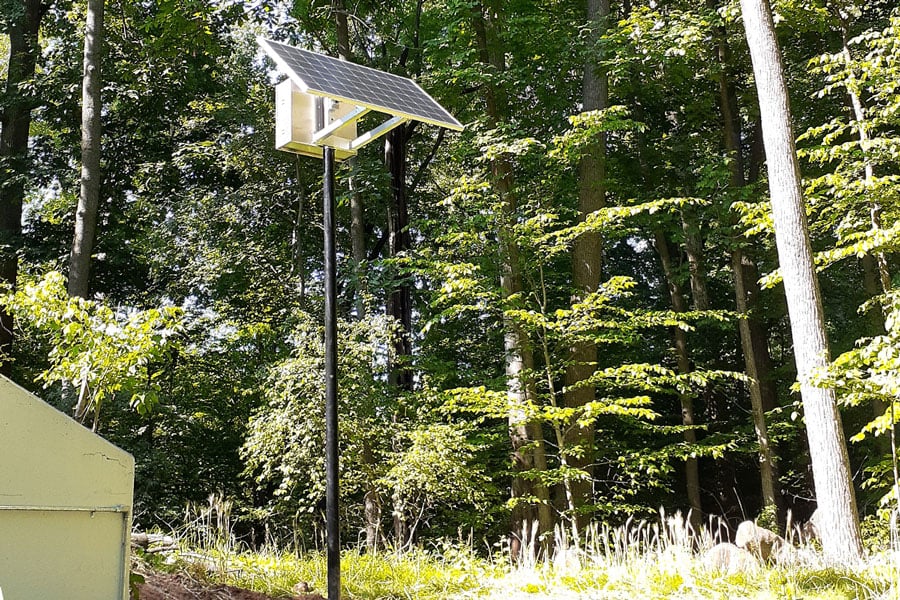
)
(341, 80)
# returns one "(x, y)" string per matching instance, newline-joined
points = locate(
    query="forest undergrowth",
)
(660, 558)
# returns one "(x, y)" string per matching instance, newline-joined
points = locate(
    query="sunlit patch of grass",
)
(655, 578)
(675, 573)
(413, 575)
(658, 560)
(837, 583)
(644, 560)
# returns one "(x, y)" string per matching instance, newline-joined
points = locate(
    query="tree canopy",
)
(573, 310)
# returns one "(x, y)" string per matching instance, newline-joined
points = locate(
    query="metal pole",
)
(332, 525)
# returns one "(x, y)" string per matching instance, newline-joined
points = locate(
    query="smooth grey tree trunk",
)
(526, 437)
(587, 263)
(828, 451)
(89, 198)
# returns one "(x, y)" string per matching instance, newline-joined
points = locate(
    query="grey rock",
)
(729, 558)
(757, 540)
(809, 531)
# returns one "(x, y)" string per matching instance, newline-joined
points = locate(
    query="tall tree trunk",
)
(744, 301)
(754, 344)
(676, 297)
(372, 501)
(342, 30)
(873, 288)
(587, 262)
(859, 116)
(828, 451)
(15, 120)
(529, 522)
(89, 198)
(691, 468)
(877, 275)
(399, 303)
(759, 331)
(693, 248)
(526, 437)
(358, 242)
(357, 219)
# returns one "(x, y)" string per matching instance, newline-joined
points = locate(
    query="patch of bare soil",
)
(179, 586)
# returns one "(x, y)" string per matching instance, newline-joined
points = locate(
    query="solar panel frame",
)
(329, 77)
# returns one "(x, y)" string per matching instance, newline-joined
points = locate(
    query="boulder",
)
(303, 591)
(809, 531)
(728, 557)
(805, 556)
(759, 541)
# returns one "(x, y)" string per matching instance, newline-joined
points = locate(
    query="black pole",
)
(332, 525)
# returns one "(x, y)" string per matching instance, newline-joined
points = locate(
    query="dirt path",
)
(178, 586)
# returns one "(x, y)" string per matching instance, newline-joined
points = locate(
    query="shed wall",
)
(65, 505)
(48, 459)
(62, 555)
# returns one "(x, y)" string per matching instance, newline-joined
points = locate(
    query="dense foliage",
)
(199, 350)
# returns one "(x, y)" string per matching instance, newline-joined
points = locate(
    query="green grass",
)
(634, 562)
(412, 575)
(673, 573)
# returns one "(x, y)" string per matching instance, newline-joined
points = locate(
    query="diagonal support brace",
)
(354, 115)
(376, 133)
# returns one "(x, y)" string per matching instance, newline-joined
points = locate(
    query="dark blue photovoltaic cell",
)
(325, 76)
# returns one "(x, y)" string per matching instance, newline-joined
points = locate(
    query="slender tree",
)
(399, 300)
(693, 249)
(862, 126)
(372, 501)
(875, 264)
(828, 450)
(754, 346)
(357, 210)
(89, 198)
(691, 465)
(22, 26)
(526, 437)
(587, 257)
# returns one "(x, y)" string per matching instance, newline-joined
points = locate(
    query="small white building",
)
(65, 505)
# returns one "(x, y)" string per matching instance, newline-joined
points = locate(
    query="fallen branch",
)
(153, 542)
